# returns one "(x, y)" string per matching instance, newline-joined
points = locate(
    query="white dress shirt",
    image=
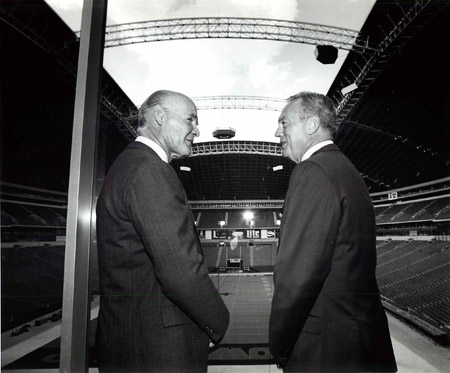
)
(156, 147)
(315, 148)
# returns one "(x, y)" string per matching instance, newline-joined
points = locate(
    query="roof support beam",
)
(237, 28)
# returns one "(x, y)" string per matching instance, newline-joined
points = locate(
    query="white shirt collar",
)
(315, 148)
(156, 147)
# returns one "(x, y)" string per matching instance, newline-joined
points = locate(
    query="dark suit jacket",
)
(158, 306)
(326, 310)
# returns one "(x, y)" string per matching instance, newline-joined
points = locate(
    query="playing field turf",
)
(248, 298)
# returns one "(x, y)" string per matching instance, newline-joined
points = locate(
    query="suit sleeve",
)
(164, 222)
(309, 230)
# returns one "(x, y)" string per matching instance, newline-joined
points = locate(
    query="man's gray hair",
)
(156, 98)
(320, 105)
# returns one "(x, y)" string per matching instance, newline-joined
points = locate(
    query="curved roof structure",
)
(395, 126)
(235, 175)
(236, 28)
(239, 102)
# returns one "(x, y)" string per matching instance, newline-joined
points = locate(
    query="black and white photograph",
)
(233, 186)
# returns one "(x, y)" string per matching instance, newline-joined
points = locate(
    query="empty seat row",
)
(438, 208)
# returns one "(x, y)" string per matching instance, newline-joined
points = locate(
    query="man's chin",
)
(188, 152)
(182, 155)
(288, 155)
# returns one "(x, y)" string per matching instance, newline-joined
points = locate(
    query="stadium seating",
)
(51, 216)
(414, 276)
(8, 220)
(15, 214)
(32, 283)
(379, 212)
(21, 215)
(264, 218)
(384, 246)
(414, 211)
(388, 214)
(444, 211)
(211, 218)
(399, 252)
(261, 219)
(236, 219)
(432, 209)
(411, 274)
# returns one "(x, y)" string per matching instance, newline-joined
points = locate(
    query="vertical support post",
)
(76, 304)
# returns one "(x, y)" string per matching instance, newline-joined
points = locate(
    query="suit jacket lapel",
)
(152, 153)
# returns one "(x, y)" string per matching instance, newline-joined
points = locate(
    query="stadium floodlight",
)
(248, 215)
(222, 223)
(277, 168)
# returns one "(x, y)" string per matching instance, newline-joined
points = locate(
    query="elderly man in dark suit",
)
(159, 310)
(326, 310)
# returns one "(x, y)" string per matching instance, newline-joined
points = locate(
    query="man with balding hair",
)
(159, 310)
(326, 309)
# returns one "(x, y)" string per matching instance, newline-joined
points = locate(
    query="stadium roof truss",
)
(395, 30)
(65, 50)
(390, 27)
(230, 102)
(236, 147)
(236, 28)
(373, 55)
(239, 102)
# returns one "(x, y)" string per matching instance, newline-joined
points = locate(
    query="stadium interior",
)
(395, 128)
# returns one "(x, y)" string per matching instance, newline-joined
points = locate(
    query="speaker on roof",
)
(326, 54)
(224, 133)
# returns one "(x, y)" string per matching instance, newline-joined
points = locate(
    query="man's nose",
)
(279, 131)
(196, 131)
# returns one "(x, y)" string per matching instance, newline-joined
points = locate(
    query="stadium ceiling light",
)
(248, 215)
(277, 168)
(222, 223)
(185, 168)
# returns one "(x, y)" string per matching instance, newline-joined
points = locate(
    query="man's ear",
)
(313, 124)
(158, 114)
